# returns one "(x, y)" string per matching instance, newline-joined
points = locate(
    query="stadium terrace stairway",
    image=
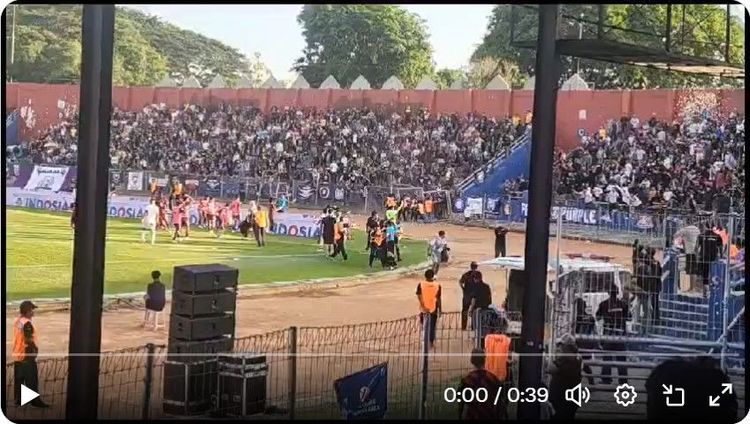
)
(506, 165)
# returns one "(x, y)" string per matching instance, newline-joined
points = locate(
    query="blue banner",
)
(364, 395)
(11, 128)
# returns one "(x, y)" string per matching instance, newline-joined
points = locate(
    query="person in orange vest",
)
(339, 240)
(497, 348)
(261, 223)
(421, 213)
(428, 209)
(429, 295)
(25, 350)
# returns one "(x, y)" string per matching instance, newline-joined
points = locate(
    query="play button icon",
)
(27, 395)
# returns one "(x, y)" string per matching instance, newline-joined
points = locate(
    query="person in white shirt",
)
(149, 220)
(588, 197)
(435, 250)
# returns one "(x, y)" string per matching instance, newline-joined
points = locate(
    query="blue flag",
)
(364, 395)
(11, 129)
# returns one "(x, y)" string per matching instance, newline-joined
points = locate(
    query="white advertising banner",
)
(46, 178)
(135, 180)
(293, 225)
(474, 206)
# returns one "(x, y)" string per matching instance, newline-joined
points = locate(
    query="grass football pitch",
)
(39, 254)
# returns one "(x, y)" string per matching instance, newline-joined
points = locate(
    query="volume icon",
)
(578, 395)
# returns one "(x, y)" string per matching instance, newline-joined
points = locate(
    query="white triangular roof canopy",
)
(191, 82)
(360, 84)
(300, 82)
(575, 82)
(217, 82)
(329, 82)
(393, 83)
(529, 84)
(166, 82)
(271, 82)
(427, 84)
(498, 83)
(244, 82)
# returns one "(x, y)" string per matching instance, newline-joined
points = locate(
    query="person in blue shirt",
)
(282, 204)
(391, 239)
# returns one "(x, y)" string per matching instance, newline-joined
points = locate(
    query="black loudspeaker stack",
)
(201, 326)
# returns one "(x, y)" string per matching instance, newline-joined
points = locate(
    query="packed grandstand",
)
(693, 164)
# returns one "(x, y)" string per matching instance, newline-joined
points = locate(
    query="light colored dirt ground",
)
(389, 299)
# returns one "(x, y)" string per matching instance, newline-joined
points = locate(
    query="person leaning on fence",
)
(615, 313)
(24, 353)
(429, 294)
(565, 370)
(701, 379)
(478, 378)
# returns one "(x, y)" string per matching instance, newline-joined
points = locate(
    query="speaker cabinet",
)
(191, 305)
(204, 278)
(189, 388)
(242, 385)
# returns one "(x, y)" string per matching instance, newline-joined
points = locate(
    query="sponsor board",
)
(293, 225)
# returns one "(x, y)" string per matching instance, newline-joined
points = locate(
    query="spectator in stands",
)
(341, 146)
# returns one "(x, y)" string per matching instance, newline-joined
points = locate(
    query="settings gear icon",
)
(625, 395)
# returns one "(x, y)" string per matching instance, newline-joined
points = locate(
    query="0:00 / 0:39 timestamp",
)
(512, 395)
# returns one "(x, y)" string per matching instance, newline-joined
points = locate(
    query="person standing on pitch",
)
(466, 283)
(236, 207)
(148, 223)
(261, 223)
(339, 240)
(25, 351)
(500, 233)
(329, 222)
(429, 295)
(372, 224)
(377, 245)
(435, 250)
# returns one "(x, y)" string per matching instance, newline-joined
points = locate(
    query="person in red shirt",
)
(235, 207)
(476, 379)
(202, 208)
(163, 223)
(223, 219)
(211, 214)
(187, 202)
(177, 211)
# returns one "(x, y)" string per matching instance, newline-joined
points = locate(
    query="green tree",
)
(48, 49)
(482, 71)
(376, 41)
(706, 25)
(445, 77)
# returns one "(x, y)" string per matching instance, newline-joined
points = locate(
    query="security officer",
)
(429, 293)
(377, 244)
(24, 354)
(615, 314)
(466, 282)
(372, 223)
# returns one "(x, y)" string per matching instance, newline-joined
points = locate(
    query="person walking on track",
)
(435, 251)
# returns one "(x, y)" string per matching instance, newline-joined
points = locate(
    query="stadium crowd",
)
(354, 145)
(695, 164)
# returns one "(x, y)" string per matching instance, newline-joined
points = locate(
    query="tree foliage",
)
(375, 41)
(703, 36)
(48, 49)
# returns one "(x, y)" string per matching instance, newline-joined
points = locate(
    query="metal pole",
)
(12, 42)
(600, 22)
(91, 196)
(425, 362)
(292, 371)
(536, 250)
(580, 37)
(725, 302)
(148, 381)
(556, 291)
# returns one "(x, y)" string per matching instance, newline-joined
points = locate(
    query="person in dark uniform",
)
(585, 324)
(329, 222)
(709, 247)
(376, 236)
(481, 298)
(615, 314)
(500, 233)
(73, 215)
(466, 283)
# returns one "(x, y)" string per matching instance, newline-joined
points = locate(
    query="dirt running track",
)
(391, 298)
